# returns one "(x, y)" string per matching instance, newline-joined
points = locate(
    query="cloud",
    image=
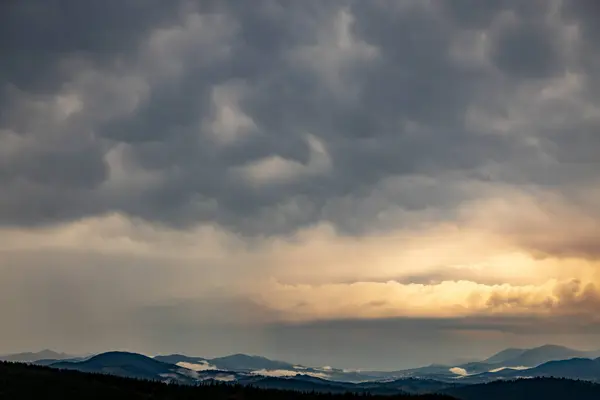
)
(275, 169)
(316, 274)
(445, 299)
(287, 373)
(175, 89)
(204, 366)
(299, 163)
(459, 371)
(229, 122)
(519, 368)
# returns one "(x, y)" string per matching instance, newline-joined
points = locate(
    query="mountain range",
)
(574, 368)
(509, 364)
(538, 355)
(40, 355)
(27, 381)
(131, 365)
(515, 359)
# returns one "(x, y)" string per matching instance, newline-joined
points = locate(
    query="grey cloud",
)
(39, 35)
(406, 342)
(82, 302)
(527, 50)
(473, 13)
(387, 99)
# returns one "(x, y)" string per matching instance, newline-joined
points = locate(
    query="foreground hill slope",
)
(20, 381)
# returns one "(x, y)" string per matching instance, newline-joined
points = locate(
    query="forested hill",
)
(528, 389)
(20, 381)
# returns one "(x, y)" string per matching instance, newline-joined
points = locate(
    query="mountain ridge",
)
(34, 356)
(131, 365)
(501, 364)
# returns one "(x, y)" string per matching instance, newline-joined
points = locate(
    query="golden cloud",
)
(487, 262)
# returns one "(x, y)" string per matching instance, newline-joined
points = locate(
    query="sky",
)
(363, 184)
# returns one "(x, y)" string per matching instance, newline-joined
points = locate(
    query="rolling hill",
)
(507, 364)
(543, 354)
(40, 355)
(575, 368)
(131, 365)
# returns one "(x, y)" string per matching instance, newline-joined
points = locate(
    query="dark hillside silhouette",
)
(21, 381)
(529, 389)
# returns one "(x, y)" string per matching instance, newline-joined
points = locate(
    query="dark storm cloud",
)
(408, 342)
(438, 328)
(376, 83)
(527, 50)
(36, 36)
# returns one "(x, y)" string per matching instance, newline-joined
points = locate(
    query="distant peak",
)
(242, 355)
(551, 346)
(120, 354)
